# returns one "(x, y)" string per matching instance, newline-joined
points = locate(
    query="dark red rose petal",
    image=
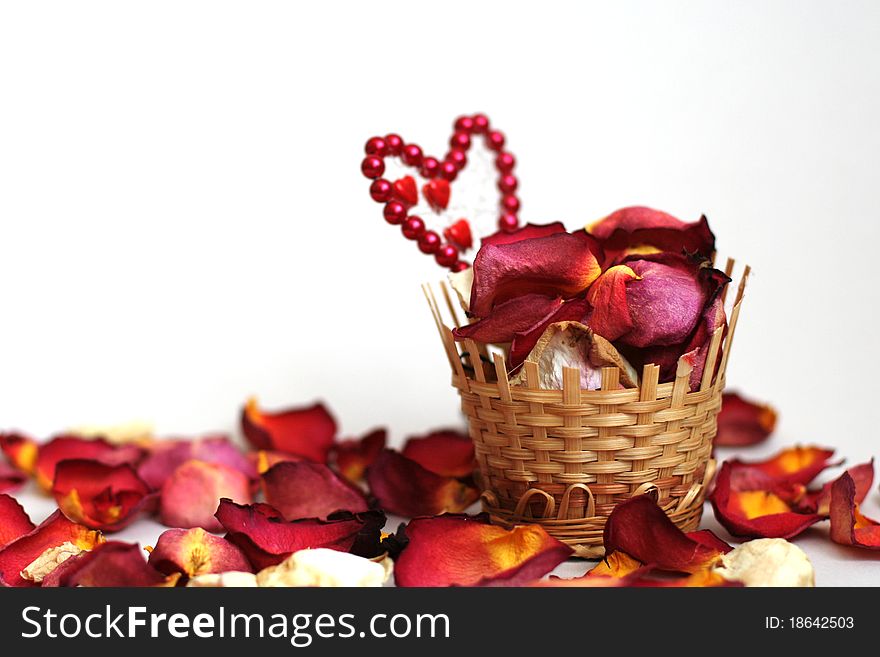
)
(526, 232)
(743, 422)
(310, 490)
(110, 564)
(848, 525)
(509, 318)
(445, 452)
(574, 310)
(353, 457)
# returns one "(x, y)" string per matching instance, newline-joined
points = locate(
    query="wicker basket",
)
(564, 458)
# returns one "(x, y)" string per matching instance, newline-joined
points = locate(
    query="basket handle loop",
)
(522, 504)
(489, 499)
(689, 498)
(648, 488)
(709, 472)
(590, 510)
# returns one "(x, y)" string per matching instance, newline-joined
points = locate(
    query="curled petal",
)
(616, 564)
(110, 564)
(509, 318)
(404, 487)
(11, 478)
(166, 455)
(861, 474)
(14, 522)
(53, 531)
(642, 530)
(573, 310)
(458, 550)
(794, 465)
(848, 525)
(610, 316)
(743, 422)
(757, 513)
(20, 451)
(264, 459)
(74, 447)
(529, 231)
(353, 457)
(190, 495)
(556, 265)
(310, 490)
(445, 452)
(307, 432)
(99, 496)
(267, 539)
(195, 552)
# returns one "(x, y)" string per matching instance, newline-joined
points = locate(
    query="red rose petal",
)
(444, 452)
(456, 550)
(265, 459)
(526, 232)
(306, 432)
(861, 474)
(74, 447)
(310, 490)
(110, 564)
(848, 525)
(404, 487)
(510, 317)
(196, 552)
(743, 422)
(795, 465)
(353, 457)
(574, 310)
(166, 455)
(191, 494)
(11, 478)
(610, 316)
(20, 451)
(14, 522)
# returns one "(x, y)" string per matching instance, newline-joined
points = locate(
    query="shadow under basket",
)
(564, 458)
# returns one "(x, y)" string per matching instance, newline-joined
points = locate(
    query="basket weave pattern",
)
(565, 458)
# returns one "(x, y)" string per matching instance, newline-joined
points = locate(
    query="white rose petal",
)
(768, 562)
(323, 567)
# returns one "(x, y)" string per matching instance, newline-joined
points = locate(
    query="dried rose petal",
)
(610, 316)
(166, 455)
(526, 232)
(191, 494)
(445, 452)
(14, 522)
(74, 447)
(616, 564)
(574, 310)
(54, 530)
(404, 487)
(11, 478)
(267, 539)
(820, 501)
(743, 422)
(353, 457)
(264, 459)
(795, 465)
(20, 451)
(848, 525)
(461, 550)
(307, 431)
(767, 562)
(110, 564)
(509, 318)
(195, 552)
(310, 490)
(100, 496)
(556, 265)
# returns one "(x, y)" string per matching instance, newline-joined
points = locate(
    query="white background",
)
(183, 221)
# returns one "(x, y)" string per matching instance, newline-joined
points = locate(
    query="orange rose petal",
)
(310, 490)
(196, 552)
(795, 465)
(74, 447)
(848, 525)
(20, 451)
(743, 422)
(616, 564)
(863, 478)
(14, 522)
(307, 432)
(404, 487)
(110, 564)
(191, 494)
(458, 550)
(353, 457)
(445, 452)
(100, 496)
(52, 532)
(610, 316)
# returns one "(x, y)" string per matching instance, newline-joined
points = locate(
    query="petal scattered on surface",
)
(310, 490)
(308, 431)
(194, 552)
(445, 452)
(190, 496)
(353, 457)
(743, 422)
(14, 522)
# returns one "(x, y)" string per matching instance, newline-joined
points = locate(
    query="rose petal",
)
(11, 478)
(54, 530)
(510, 317)
(73, 447)
(310, 490)
(616, 564)
(445, 452)
(848, 525)
(20, 451)
(110, 564)
(166, 455)
(267, 539)
(353, 457)
(642, 530)
(191, 494)
(325, 568)
(264, 459)
(404, 487)
(529, 231)
(863, 476)
(641, 578)
(458, 550)
(307, 431)
(100, 496)
(556, 265)
(743, 422)
(195, 552)
(14, 522)
(795, 465)
(767, 562)
(610, 316)
(758, 513)
(574, 310)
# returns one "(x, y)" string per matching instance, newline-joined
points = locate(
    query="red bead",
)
(394, 212)
(508, 183)
(448, 171)
(393, 143)
(376, 146)
(412, 155)
(510, 203)
(430, 167)
(464, 124)
(495, 140)
(413, 228)
(381, 190)
(372, 166)
(460, 140)
(508, 222)
(429, 242)
(481, 123)
(461, 265)
(457, 157)
(446, 256)
(505, 162)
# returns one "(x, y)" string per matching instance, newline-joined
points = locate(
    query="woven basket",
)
(565, 458)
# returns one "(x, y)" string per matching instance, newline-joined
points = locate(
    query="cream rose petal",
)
(768, 562)
(229, 579)
(324, 567)
(48, 561)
